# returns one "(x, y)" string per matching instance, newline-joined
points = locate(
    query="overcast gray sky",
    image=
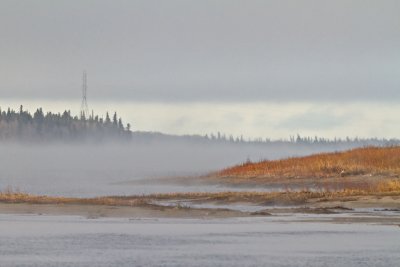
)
(246, 62)
(201, 50)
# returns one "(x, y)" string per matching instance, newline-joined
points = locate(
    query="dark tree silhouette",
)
(60, 126)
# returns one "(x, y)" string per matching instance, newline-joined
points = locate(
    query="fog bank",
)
(83, 169)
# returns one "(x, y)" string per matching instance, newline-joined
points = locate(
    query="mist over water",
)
(90, 169)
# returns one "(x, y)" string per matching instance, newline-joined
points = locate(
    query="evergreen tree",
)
(120, 124)
(108, 118)
(115, 119)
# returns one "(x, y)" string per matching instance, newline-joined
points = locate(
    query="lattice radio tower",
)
(84, 105)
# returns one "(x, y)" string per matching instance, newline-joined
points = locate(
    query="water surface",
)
(31, 240)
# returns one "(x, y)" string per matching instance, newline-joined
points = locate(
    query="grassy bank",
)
(371, 161)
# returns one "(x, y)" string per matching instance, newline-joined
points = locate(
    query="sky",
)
(258, 68)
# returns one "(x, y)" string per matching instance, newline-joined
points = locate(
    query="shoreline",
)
(337, 215)
(106, 211)
(372, 208)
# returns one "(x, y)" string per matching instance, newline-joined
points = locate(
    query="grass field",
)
(362, 161)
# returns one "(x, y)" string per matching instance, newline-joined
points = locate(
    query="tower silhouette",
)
(84, 104)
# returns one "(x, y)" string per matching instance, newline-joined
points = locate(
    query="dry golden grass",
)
(388, 186)
(371, 160)
(18, 197)
(384, 188)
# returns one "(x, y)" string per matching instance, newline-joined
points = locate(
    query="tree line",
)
(41, 126)
(301, 140)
